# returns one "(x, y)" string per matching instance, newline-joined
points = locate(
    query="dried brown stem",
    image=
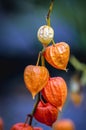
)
(49, 12)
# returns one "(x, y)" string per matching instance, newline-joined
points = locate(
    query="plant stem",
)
(27, 118)
(53, 42)
(33, 111)
(49, 11)
(38, 58)
(35, 106)
(42, 60)
(42, 57)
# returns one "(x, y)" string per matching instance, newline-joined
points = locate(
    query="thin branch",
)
(49, 12)
(35, 106)
(38, 59)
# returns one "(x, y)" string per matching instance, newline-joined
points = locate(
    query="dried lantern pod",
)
(45, 34)
(57, 55)
(46, 113)
(21, 126)
(55, 92)
(64, 124)
(35, 77)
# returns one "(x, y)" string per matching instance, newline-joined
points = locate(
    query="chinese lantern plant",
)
(50, 92)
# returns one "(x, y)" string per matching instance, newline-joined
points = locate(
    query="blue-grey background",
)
(19, 47)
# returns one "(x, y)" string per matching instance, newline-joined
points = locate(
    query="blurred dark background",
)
(19, 47)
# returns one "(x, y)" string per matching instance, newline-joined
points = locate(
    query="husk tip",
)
(33, 96)
(60, 109)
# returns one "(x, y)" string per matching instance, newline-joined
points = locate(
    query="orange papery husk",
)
(46, 113)
(35, 78)
(21, 126)
(55, 92)
(57, 55)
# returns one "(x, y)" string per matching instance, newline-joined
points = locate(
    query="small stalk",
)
(27, 119)
(33, 111)
(42, 60)
(39, 55)
(49, 12)
(42, 57)
(53, 42)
